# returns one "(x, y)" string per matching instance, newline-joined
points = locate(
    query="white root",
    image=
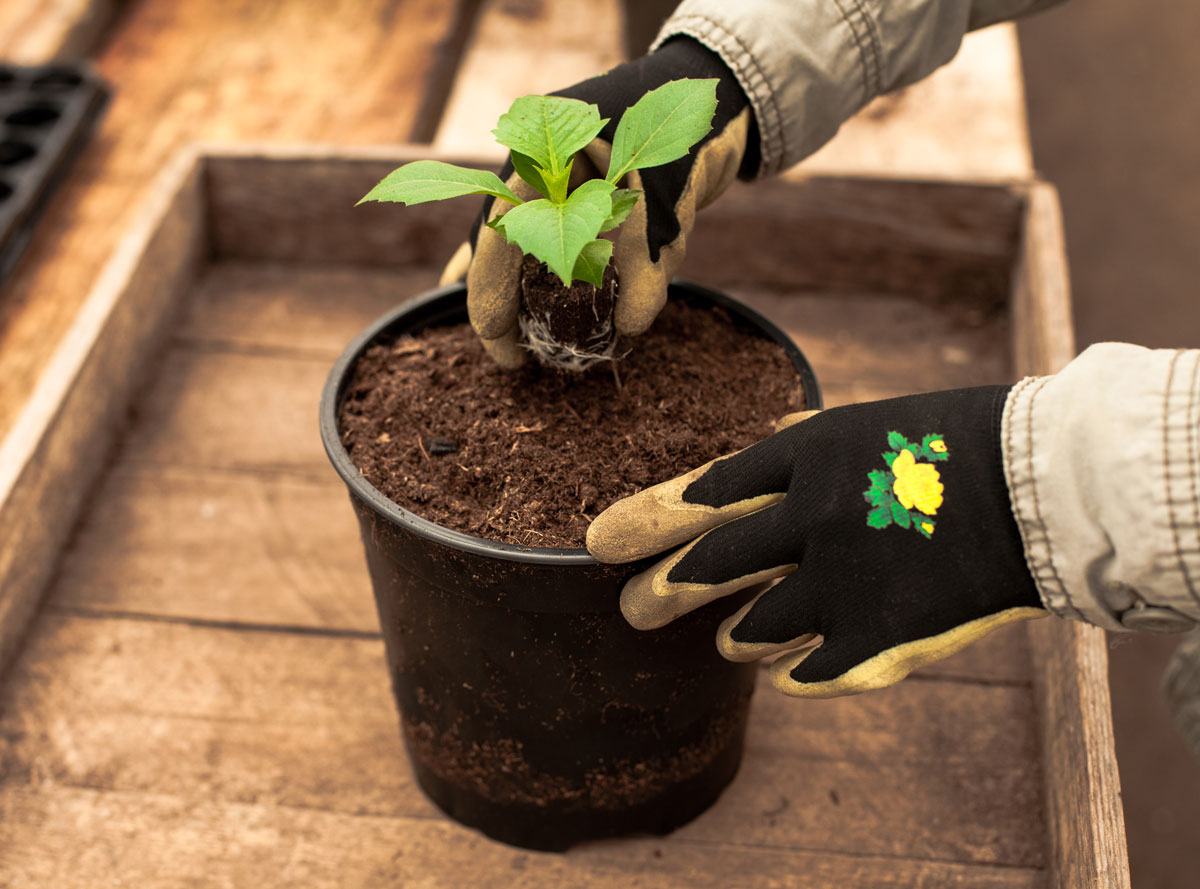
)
(566, 356)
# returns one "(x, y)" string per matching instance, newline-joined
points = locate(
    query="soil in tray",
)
(531, 457)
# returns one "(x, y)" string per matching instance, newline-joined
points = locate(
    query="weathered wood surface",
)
(1087, 823)
(205, 690)
(966, 120)
(162, 840)
(184, 70)
(306, 721)
(33, 32)
(62, 440)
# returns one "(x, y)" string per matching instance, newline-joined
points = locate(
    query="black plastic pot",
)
(529, 708)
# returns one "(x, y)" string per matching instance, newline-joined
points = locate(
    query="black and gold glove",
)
(651, 243)
(888, 521)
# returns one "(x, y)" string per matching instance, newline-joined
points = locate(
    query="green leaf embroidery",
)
(530, 172)
(890, 457)
(927, 450)
(879, 517)
(423, 181)
(548, 129)
(900, 516)
(592, 261)
(881, 479)
(662, 126)
(896, 441)
(557, 233)
(623, 201)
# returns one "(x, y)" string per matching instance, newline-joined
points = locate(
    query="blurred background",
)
(1110, 96)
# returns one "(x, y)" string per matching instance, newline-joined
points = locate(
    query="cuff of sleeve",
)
(1102, 463)
(1016, 438)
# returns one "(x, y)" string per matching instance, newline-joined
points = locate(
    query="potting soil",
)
(530, 457)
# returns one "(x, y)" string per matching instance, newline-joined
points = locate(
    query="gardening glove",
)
(650, 244)
(888, 521)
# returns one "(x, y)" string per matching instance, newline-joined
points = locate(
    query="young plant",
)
(562, 228)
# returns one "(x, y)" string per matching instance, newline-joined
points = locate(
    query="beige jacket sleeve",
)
(1103, 468)
(808, 65)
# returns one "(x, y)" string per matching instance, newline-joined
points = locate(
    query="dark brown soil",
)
(531, 457)
(578, 316)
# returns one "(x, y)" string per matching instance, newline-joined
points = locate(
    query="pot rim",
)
(331, 396)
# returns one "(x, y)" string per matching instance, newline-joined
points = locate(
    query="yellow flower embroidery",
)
(927, 526)
(917, 484)
(938, 445)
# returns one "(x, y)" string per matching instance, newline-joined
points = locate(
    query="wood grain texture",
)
(306, 721)
(166, 688)
(188, 70)
(33, 32)
(73, 838)
(61, 442)
(1087, 824)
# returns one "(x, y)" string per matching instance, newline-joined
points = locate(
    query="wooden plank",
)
(79, 839)
(522, 47)
(307, 310)
(185, 70)
(255, 214)
(1083, 790)
(948, 243)
(61, 441)
(307, 721)
(252, 550)
(244, 548)
(33, 32)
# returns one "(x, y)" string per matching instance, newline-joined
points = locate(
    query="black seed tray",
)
(46, 115)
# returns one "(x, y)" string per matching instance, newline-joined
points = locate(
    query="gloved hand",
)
(888, 521)
(651, 243)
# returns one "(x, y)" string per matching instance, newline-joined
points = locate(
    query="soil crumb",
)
(531, 457)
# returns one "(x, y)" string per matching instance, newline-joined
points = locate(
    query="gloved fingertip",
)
(505, 351)
(638, 306)
(792, 419)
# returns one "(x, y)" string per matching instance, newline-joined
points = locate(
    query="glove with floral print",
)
(889, 523)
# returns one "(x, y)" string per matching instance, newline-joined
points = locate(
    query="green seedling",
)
(562, 228)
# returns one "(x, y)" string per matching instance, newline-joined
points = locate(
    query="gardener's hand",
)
(889, 523)
(651, 243)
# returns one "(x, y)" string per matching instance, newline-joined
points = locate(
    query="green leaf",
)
(548, 129)
(890, 457)
(900, 516)
(557, 183)
(623, 201)
(881, 479)
(423, 181)
(897, 442)
(592, 261)
(530, 172)
(919, 522)
(879, 517)
(662, 126)
(557, 233)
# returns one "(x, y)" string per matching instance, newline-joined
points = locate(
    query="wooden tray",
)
(202, 701)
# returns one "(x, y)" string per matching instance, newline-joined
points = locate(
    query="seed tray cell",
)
(46, 114)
